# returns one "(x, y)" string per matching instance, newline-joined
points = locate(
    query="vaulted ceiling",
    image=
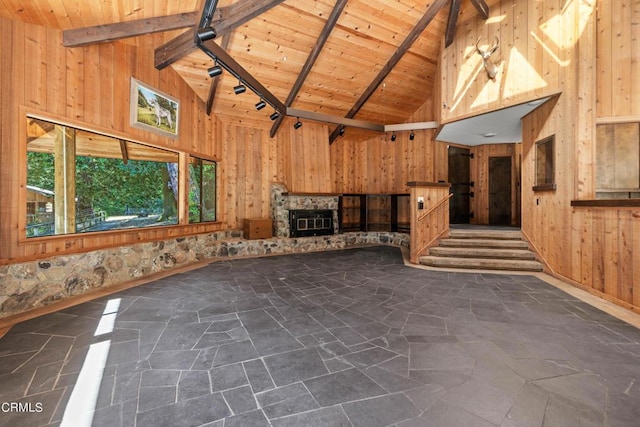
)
(375, 64)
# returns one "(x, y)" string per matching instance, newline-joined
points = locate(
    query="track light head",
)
(297, 125)
(239, 89)
(215, 71)
(341, 131)
(275, 115)
(412, 136)
(207, 33)
(393, 137)
(260, 105)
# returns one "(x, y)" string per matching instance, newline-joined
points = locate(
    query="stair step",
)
(484, 243)
(486, 234)
(475, 252)
(481, 263)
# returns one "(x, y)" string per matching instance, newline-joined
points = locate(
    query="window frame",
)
(76, 242)
(548, 145)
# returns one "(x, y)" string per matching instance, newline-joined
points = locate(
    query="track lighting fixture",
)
(412, 136)
(260, 105)
(240, 88)
(341, 130)
(298, 124)
(215, 71)
(206, 33)
(393, 137)
(275, 115)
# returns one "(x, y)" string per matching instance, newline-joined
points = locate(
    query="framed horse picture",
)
(153, 110)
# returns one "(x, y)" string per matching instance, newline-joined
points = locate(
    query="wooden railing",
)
(430, 223)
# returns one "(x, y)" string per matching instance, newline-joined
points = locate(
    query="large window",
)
(80, 181)
(618, 161)
(202, 190)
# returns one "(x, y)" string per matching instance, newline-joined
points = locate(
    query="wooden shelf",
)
(374, 212)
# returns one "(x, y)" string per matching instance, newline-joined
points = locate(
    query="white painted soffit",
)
(502, 126)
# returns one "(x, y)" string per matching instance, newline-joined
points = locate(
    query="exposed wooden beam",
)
(230, 18)
(232, 66)
(452, 22)
(328, 118)
(426, 19)
(224, 44)
(482, 8)
(311, 59)
(111, 32)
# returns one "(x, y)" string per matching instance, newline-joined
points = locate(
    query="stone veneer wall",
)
(38, 283)
(281, 203)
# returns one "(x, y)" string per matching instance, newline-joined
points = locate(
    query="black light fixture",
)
(260, 105)
(240, 88)
(275, 115)
(393, 137)
(215, 71)
(341, 130)
(298, 124)
(206, 33)
(412, 136)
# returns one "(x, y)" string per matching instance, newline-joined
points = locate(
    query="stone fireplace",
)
(313, 205)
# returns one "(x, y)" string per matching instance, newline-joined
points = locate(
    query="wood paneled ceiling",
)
(274, 45)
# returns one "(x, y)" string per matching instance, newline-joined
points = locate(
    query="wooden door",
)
(500, 190)
(459, 177)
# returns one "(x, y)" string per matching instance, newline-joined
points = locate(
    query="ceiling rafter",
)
(452, 22)
(215, 52)
(481, 7)
(311, 59)
(422, 24)
(224, 44)
(229, 18)
(77, 37)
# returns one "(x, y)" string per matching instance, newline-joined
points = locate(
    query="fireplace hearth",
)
(310, 222)
(323, 208)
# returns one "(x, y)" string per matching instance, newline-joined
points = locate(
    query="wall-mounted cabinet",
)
(374, 212)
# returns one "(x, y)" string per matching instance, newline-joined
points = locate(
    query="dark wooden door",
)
(459, 177)
(500, 190)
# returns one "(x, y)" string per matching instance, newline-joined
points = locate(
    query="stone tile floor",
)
(343, 338)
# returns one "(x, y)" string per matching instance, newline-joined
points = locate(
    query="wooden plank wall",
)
(381, 166)
(89, 87)
(618, 66)
(550, 47)
(535, 51)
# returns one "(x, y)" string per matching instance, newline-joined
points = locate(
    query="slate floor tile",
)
(344, 386)
(294, 366)
(307, 339)
(235, 352)
(274, 341)
(381, 411)
(333, 416)
(240, 400)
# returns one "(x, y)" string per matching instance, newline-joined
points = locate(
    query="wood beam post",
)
(111, 32)
(452, 22)
(65, 180)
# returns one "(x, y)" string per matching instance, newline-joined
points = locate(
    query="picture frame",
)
(154, 110)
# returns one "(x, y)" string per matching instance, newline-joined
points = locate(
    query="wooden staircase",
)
(490, 249)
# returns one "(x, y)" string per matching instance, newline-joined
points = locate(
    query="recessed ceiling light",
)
(490, 134)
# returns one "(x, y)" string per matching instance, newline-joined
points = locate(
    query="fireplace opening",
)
(304, 222)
